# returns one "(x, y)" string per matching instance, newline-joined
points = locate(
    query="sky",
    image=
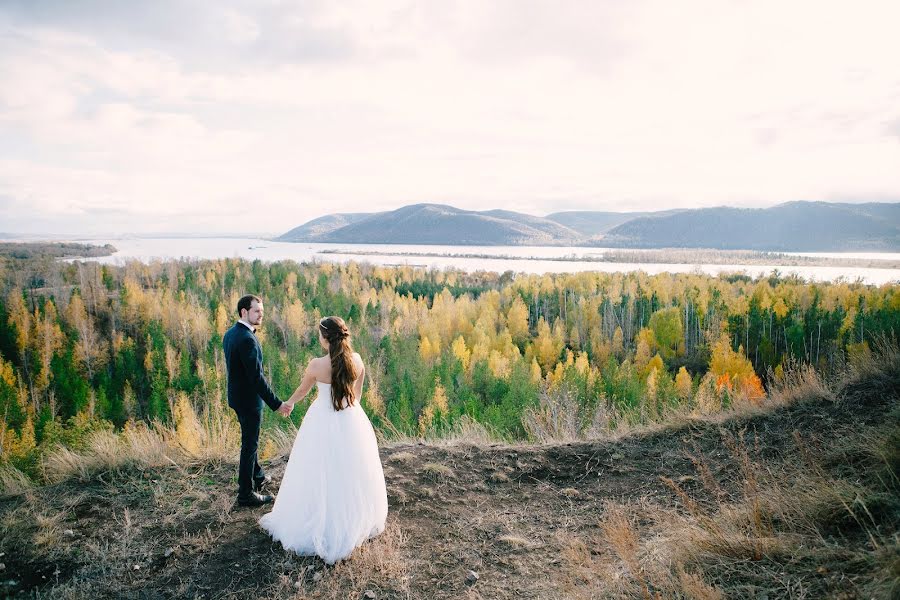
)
(231, 116)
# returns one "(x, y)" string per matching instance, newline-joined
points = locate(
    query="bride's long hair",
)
(343, 371)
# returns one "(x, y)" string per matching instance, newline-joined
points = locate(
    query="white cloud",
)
(239, 28)
(527, 106)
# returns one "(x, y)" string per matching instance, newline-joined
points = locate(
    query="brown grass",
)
(378, 565)
(623, 538)
(560, 417)
(214, 435)
(437, 472)
(13, 482)
(801, 382)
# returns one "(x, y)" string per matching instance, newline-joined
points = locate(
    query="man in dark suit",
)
(247, 390)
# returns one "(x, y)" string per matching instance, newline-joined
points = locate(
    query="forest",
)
(87, 346)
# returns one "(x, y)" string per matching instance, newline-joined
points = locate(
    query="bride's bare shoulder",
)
(357, 360)
(320, 364)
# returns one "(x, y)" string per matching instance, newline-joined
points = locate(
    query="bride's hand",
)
(285, 409)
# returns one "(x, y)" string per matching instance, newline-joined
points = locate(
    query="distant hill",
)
(441, 224)
(794, 226)
(592, 223)
(318, 228)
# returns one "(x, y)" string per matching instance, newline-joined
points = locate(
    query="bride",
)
(332, 496)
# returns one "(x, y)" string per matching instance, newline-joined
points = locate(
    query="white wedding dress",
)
(332, 497)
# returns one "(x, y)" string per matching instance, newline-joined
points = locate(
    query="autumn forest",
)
(85, 346)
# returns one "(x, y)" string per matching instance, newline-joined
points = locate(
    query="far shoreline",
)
(663, 256)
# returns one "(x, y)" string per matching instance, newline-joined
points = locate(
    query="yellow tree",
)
(535, 371)
(428, 350)
(7, 373)
(734, 372)
(667, 331)
(517, 321)
(461, 352)
(134, 302)
(290, 285)
(172, 358)
(600, 348)
(651, 390)
(90, 348)
(547, 347)
(582, 365)
(618, 342)
(437, 407)
(683, 384)
(20, 319)
(296, 321)
(643, 352)
(654, 363)
(21, 445)
(498, 364)
(149, 357)
(221, 320)
(48, 340)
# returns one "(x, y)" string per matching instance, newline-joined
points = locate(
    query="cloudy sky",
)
(237, 116)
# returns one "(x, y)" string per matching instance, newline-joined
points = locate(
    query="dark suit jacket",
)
(247, 385)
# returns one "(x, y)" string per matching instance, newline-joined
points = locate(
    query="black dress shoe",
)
(259, 484)
(255, 499)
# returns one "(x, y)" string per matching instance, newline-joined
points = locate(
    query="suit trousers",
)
(249, 471)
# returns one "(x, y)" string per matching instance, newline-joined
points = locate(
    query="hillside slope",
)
(794, 226)
(440, 224)
(789, 227)
(594, 223)
(317, 229)
(796, 501)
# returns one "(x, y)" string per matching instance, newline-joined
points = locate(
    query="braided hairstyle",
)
(343, 371)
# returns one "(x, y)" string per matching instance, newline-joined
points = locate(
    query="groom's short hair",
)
(246, 302)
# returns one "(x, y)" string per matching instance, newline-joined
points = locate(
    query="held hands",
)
(285, 409)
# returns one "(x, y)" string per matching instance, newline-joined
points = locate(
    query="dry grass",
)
(498, 477)
(402, 457)
(801, 382)
(805, 528)
(437, 472)
(379, 566)
(801, 517)
(108, 451)
(13, 482)
(468, 431)
(212, 435)
(278, 441)
(622, 537)
(514, 541)
(560, 417)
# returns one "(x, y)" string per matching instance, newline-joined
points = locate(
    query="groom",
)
(247, 390)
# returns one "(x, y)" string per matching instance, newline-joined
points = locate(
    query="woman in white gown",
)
(332, 497)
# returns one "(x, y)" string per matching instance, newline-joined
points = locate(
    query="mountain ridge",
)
(444, 224)
(792, 226)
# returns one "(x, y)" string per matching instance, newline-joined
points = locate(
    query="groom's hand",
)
(285, 409)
